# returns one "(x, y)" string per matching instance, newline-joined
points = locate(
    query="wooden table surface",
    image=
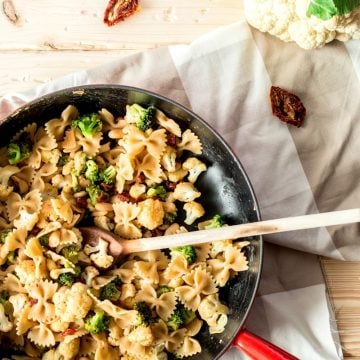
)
(44, 39)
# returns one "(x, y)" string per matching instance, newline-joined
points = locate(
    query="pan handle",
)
(259, 349)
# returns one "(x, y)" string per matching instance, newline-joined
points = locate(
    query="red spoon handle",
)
(259, 349)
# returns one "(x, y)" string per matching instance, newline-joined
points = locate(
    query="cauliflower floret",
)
(5, 324)
(141, 335)
(103, 222)
(168, 159)
(79, 162)
(151, 213)
(194, 210)
(177, 175)
(98, 254)
(65, 351)
(89, 274)
(25, 271)
(5, 191)
(18, 302)
(214, 313)
(190, 142)
(59, 325)
(73, 303)
(195, 168)
(219, 246)
(68, 351)
(287, 20)
(175, 229)
(186, 192)
(26, 220)
(137, 190)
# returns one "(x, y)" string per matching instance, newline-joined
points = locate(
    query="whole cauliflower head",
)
(287, 20)
(72, 304)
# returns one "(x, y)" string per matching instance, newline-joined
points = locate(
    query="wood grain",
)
(44, 39)
(75, 37)
(343, 282)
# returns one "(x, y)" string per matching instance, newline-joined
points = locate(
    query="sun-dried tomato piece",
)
(287, 106)
(118, 10)
(68, 331)
(140, 179)
(33, 301)
(171, 139)
(106, 187)
(124, 197)
(81, 202)
(156, 232)
(170, 185)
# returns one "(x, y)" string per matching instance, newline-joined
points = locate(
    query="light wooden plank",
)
(78, 24)
(25, 70)
(343, 282)
(49, 25)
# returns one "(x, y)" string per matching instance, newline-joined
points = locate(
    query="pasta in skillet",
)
(61, 298)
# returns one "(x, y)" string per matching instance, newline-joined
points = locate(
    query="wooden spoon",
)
(118, 246)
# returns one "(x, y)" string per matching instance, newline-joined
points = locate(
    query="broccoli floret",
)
(63, 159)
(20, 149)
(66, 279)
(4, 301)
(170, 217)
(44, 240)
(111, 291)
(108, 175)
(188, 251)
(80, 162)
(88, 124)
(188, 315)
(143, 117)
(11, 257)
(180, 317)
(176, 320)
(77, 270)
(144, 314)
(96, 322)
(74, 180)
(4, 234)
(157, 190)
(71, 253)
(163, 289)
(216, 222)
(92, 171)
(94, 193)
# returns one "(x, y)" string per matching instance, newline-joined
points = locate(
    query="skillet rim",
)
(102, 86)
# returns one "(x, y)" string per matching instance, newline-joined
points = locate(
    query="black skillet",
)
(225, 190)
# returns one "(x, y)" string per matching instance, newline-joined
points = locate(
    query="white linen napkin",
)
(225, 77)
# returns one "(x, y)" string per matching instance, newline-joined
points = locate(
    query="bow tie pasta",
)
(61, 298)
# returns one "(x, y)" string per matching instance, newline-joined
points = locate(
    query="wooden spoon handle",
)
(243, 230)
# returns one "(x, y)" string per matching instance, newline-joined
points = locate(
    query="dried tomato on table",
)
(287, 106)
(118, 10)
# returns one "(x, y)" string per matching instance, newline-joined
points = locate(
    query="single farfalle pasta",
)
(164, 304)
(134, 174)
